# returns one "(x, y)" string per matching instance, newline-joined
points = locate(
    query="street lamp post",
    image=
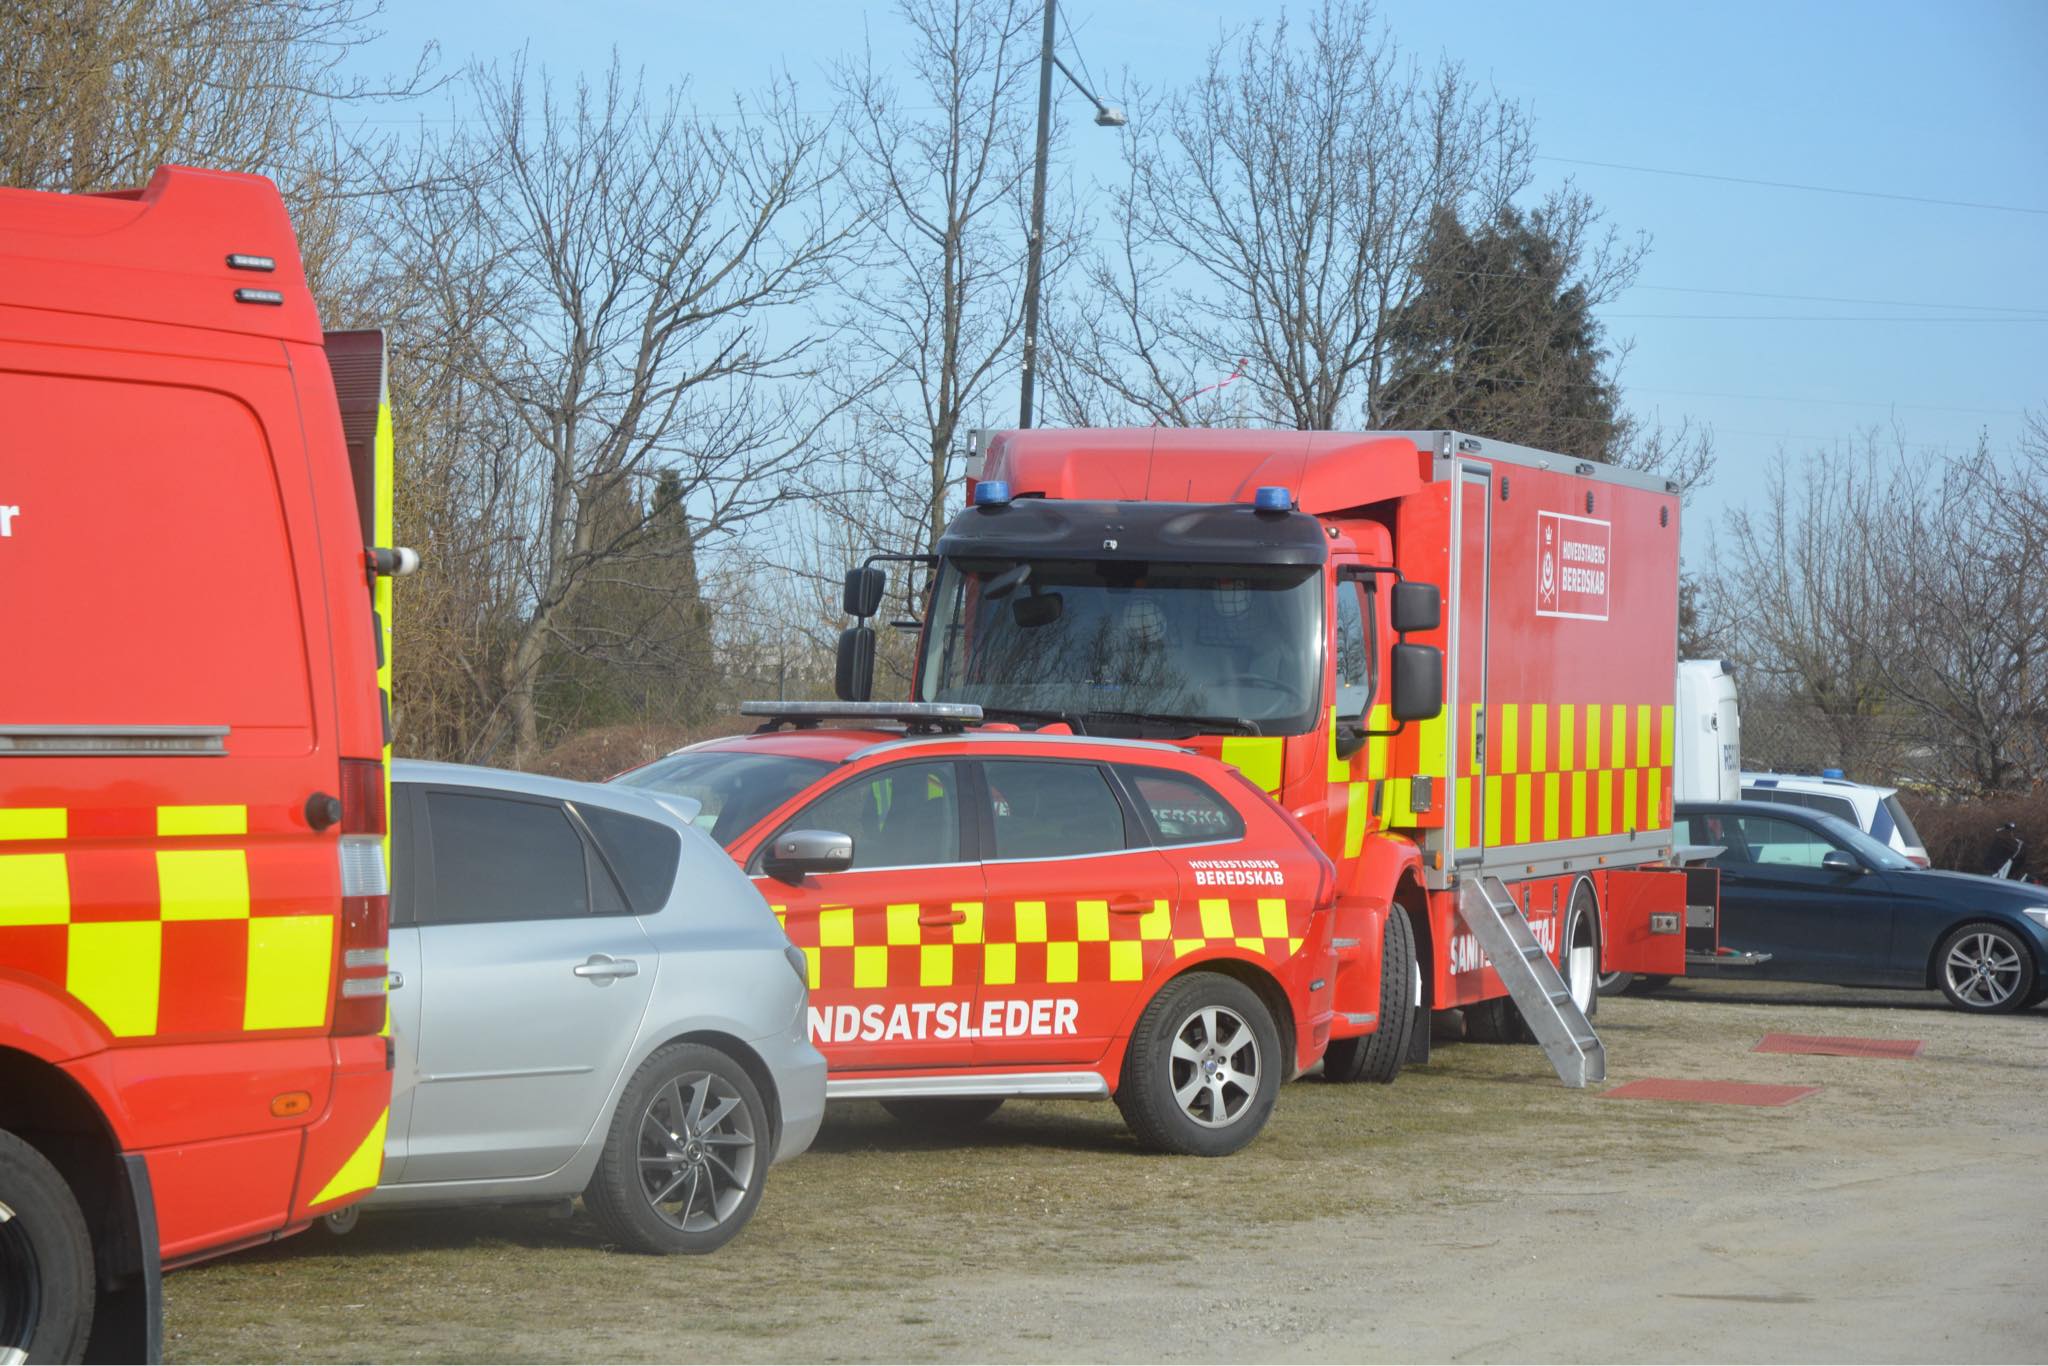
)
(1106, 116)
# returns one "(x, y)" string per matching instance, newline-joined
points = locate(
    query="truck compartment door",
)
(1643, 921)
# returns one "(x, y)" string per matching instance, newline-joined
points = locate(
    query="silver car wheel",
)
(1213, 1067)
(1984, 969)
(697, 1154)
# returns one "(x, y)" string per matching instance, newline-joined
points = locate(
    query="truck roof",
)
(212, 249)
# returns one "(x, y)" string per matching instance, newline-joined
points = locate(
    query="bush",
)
(1959, 834)
(596, 754)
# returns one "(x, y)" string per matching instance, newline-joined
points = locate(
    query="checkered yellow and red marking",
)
(1049, 943)
(1560, 771)
(168, 920)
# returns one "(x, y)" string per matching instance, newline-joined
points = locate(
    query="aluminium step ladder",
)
(1562, 1030)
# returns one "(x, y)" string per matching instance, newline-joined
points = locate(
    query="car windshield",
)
(733, 789)
(1115, 644)
(1876, 853)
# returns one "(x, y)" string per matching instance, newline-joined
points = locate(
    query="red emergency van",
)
(987, 914)
(193, 484)
(1452, 658)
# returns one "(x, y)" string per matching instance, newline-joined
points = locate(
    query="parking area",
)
(1473, 1211)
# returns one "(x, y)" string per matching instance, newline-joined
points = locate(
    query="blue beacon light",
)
(992, 493)
(1273, 498)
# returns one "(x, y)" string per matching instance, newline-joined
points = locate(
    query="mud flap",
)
(1703, 911)
(1643, 928)
(128, 1312)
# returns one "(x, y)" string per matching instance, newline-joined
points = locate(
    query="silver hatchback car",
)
(587, 997)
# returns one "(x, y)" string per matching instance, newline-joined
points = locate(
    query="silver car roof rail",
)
(917, 718)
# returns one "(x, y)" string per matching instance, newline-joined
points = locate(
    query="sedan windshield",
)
(1115, 644)
(1876, 853)
(733, 790)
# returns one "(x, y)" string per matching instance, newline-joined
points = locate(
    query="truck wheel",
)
(1615, 983)
(46, 1277)
(1648, 984)
(942, 1112)
(1582, 951)
(1203, 1068)
(1378, 1056)
(687, 1155)
(1493, 1021)
(1985, 969)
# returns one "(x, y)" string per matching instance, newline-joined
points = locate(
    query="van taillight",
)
(360, 987)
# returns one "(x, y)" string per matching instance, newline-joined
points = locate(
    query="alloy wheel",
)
(697, 1152)
(1214, 1066)
(20, 1299)
(1984, 969)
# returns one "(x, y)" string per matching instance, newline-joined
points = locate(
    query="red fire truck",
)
(1454, 659)
(192, 751)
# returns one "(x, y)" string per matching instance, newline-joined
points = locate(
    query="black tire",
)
(46, 1273)
(2006, 973)
(942, 1112)
(1581, 932)
(1615, 983)
(1225, 1024)
(341, 1222)
(707, 1157)
(1378, 1056)
(1648, 984)
(1493, 1021)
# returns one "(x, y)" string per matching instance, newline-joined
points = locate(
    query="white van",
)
(1874, 810)
(1707, 758)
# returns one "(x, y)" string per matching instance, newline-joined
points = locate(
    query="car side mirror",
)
(863, 595)
(854, 675)
(795, 854)
(1840, 861)
(1418, 693)
(1417, 607)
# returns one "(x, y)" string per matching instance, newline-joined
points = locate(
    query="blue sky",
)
(1949, 333)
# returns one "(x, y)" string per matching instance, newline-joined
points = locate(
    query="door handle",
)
(394, 980)
(945, 917)
(602, 967)
(1131, 905)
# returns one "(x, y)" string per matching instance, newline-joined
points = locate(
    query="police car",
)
(1876, 811)
(987, 913)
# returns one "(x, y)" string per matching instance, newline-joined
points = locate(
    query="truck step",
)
(1534, 984)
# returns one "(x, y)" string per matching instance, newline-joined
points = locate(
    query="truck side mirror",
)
(1417, 607)
(795, 853)
(1418, 681)
(863, 596)
(854, 677)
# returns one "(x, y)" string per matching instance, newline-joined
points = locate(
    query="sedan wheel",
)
(1203, 1067)
(684, 1164)
(1986, 969)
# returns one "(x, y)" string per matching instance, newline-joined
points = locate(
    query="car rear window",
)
(1907, 834)
(1052, 810)
(642, 852)
(498, 858)
(1183, 809)
(733, 789)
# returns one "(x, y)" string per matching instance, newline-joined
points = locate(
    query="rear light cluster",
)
(360, 988)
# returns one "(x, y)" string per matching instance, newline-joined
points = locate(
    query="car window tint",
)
(401, 853)
(1833, 806)
(642, 852)
(902, 816)
(1183, 810)
(1903, 822)
(1052, 810)
(496, 858)
(1771, 841)
(733, 790)
(1354, 689)
(1768, 794)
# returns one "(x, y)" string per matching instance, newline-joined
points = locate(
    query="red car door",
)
(1073, 900)
(893, 942)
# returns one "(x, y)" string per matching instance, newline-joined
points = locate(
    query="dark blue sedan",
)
(1831, 904)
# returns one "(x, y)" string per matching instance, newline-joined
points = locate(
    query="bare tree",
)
(619, 288)
(938, 175)
(1275, 212)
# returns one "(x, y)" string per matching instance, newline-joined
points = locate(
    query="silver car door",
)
(530, 997)
(403, 1002)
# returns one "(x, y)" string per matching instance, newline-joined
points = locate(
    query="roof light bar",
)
(992, 493)
(916, 716)
(1273, 498)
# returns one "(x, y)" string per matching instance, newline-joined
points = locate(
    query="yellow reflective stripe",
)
(1539, 737)
(1617, 751)
(1434, 759)
(1063, 962)
(1091, 921)
(1183, 947)
(1578, 805)
(202, 820)
(1628, 799)
(1216, 919)
(1550, 804)
(1642, 735)
(935, 965)
(871, 966)
(35, 889)
(812, 960)
(113, 967)
(1655, 805)
(290, 957)
(362, 1169)
(1156, 923)
(1126, 961)
(902, 924)
(1031, 922)
(968, 931)
(1604, 824)
(835, 926)
(1509, 748)
(1340, 769)
(1272, 917)
(1357, 810)
(32, 823)
(999, 965)
(1567, 736)
(1258, 757)
(1669, 718)
(203, 884)
(1522, 812)
(1492, 808)
(1593, 735)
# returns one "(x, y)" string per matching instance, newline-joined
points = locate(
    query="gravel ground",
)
(1473, 1211)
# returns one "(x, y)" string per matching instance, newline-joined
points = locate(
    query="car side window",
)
(1777, 843)
(402, 859)
(1354, 659)
(642, 852)
(1182, 809)
(906, 815)
(1052, 809)
(1834, 806)
(502, 859)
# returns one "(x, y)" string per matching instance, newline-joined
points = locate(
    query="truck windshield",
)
(1129, 646)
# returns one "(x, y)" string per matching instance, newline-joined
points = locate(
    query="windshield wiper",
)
(1187, 725)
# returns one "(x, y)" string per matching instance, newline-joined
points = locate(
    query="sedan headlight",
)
(2037, 914)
